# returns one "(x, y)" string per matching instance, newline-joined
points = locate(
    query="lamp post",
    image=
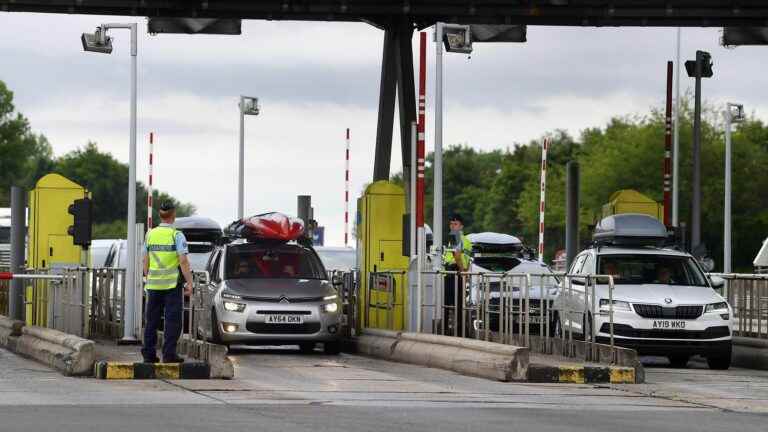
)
(734, 113)
(101, 43)
(248, 106)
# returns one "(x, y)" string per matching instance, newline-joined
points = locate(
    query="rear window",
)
(651, 269)
(249, 261)
(5, 234)
(497, 264)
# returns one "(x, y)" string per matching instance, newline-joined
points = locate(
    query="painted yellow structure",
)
(632, 201)
(50, 246)
(379, 230)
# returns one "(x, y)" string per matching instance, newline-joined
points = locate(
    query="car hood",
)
(275, 288)
(658, 294)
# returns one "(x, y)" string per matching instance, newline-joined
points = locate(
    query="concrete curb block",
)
(66, 353)
(210, 353)
(127, 371)
(581, 374)
(10, 330)
(467, 357)
(751, 353)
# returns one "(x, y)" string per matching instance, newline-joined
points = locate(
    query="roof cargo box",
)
(199, 229)
(273, 226)
(630, 229)
(494, 243)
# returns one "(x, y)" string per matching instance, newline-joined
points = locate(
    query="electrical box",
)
(50, 245)
(383, 280)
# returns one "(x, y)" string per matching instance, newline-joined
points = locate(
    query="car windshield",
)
(249, 261)
(497, 264)
(651, 269)
(337, 259)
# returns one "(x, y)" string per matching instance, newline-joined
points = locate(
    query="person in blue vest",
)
(166, 253)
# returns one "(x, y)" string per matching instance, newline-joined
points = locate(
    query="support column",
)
(406, 96)
(387, 91)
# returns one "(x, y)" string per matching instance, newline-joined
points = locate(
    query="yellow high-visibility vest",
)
(163, 259)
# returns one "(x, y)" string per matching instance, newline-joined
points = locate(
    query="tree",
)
(24, 155)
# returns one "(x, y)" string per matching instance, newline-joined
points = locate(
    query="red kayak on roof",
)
(270, 226)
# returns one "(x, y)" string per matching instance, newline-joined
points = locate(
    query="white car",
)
(496, 253)
(663, 303)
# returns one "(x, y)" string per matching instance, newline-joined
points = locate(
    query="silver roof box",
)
(630, 229)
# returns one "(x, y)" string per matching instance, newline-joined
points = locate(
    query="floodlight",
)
(249, 105)
(97, 42)
(457, 38)
(736, 112)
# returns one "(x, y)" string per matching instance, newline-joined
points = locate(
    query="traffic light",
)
(706, 65)
(82, 211)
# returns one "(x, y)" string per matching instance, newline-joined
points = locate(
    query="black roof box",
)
(199, 229)
(630, 229)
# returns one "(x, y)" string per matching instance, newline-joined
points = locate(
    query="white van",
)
(663, 303)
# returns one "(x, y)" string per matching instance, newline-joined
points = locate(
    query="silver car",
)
(269, 294)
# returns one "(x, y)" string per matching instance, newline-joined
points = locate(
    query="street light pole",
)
(247, 106)
(129, 336)
(437, 208)
(241, 164)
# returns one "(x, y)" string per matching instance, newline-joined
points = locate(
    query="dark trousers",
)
(157, 302)
(453, 316)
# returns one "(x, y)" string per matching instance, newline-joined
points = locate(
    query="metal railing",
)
(348, 291)
(519, 309)
(4, 292)
(748, 296)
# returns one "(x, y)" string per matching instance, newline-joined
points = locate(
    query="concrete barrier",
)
(464, 356)
(751, 353)
(10, 330)
(69, 354)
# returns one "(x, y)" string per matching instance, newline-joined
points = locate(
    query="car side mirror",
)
(336, 280)
(717, 282)
(578, 281)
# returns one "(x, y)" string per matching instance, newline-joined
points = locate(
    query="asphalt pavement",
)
(283, 390)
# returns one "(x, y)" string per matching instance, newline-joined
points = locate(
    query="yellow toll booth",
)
(383, 282)
(632, 201)
(50, 246)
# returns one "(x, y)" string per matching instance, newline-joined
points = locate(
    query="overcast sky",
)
(314, 80)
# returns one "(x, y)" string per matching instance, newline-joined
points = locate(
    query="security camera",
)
(457, 38)
(97, 42)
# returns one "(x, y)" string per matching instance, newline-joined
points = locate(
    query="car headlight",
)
(330, 307)
(234, 307)
(227, 295)
(716, 307)
(330, 297)
(617, 305)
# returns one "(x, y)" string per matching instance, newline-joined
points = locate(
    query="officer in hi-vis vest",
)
(166, 252)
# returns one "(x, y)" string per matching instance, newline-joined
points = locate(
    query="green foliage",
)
(499, 191)
(24, 156)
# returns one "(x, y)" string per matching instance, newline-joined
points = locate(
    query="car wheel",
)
(332, 348)
(679, 361)
(307, 347)
(720, 361)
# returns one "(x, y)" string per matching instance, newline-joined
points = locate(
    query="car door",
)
(208, 291)
(574, 293)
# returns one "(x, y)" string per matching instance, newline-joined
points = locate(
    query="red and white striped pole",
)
(149, 187)
(420, 130)
(346, 196)
(542, 201)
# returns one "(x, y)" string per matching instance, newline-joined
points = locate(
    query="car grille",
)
(628, 331)
(263, 328)
(679, 312)
(281, 299)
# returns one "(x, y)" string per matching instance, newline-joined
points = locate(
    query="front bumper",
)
(707, 335)
(252, 326)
